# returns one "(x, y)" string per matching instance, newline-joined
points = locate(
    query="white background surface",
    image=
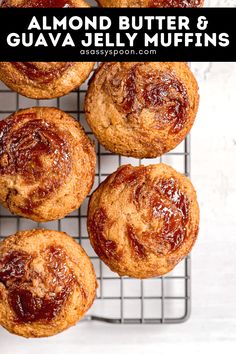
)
(212, 326)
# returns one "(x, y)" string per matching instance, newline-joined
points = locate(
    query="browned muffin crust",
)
(142, 221)
(41, 80)
(47, 283)
(151, 3)
(142, 109)
(44, 3)
(47, 163)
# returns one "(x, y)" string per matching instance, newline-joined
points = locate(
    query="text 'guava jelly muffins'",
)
(44, 80)
(47, 163)
(142, 221)
(142, 109)
(47, 283)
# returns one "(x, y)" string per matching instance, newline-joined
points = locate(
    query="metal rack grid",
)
(119, 300)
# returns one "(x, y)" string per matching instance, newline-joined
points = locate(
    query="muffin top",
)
(142, 109)
(151, 3)
(44, 80)
(47, 283)
(47, 163)
(44, 3)
(143, 220)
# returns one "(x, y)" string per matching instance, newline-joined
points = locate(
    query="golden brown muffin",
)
(151, 3)
(47, 283)
(142, 221)
(41, 80)
(142, 110)
(47, 163)
(44, 80)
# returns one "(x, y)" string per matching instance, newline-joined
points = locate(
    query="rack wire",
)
(119, 299)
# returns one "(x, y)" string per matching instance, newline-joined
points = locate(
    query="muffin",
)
(44, 3)
(142, 221)
(47, 283)
(42, 80)
(142, 110)
(47, 164)
(151, 3)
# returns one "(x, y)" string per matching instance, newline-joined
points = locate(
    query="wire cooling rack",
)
(119, 300)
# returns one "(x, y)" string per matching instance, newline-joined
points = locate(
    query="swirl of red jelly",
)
(39, 73)
(39, 3)
(133, 90)
(175, 3)
(161, 205)
(36, 151)
(36, 294)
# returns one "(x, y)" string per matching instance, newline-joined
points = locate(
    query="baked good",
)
(142, 109)
(47, 163)
(44, 3)
(42, 80)
(47, 283)
(151, 3)
(142, 221)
